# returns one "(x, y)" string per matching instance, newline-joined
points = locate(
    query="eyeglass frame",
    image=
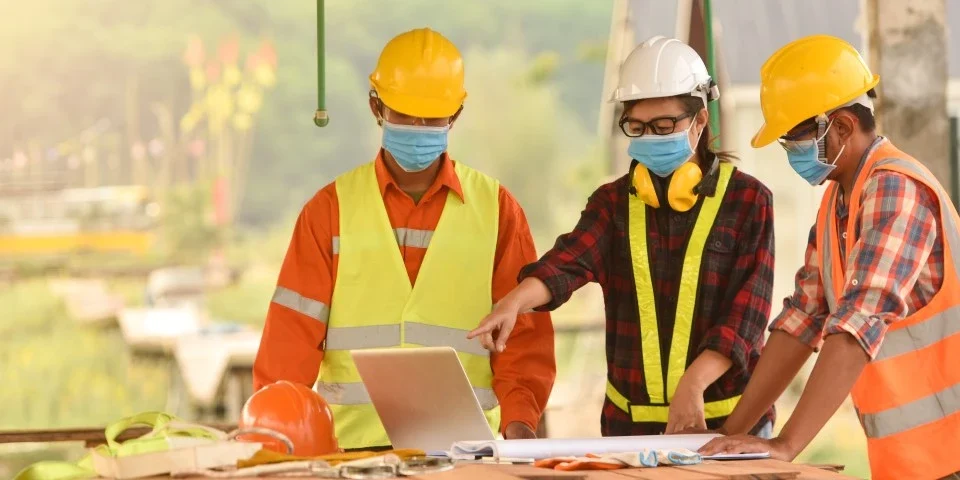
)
(648, 124)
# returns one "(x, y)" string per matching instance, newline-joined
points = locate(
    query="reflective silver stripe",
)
(914, 414)
(356, 394)
(355, 338)
(406, 237)
(436, 336)
(409, 237)
(298, 303)
(487, 398)
(343, 393)
(920, 335)
(826, 255)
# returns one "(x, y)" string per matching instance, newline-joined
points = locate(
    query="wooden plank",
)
(665, 473)
(90, 436)
(807, 472)
(745, 471)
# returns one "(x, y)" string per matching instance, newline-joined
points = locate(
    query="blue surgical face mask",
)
(807, 160)
(414, 147)
(662, 154)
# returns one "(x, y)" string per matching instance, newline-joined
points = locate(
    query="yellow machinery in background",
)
(63, 221)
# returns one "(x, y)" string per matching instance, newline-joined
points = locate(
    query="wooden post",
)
(907, 46)
(618, 47)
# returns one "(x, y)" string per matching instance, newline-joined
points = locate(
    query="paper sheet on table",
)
(575, 447)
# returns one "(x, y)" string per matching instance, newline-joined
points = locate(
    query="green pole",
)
(714, 107)
(320, 118)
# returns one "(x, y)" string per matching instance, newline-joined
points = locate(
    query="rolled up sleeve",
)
(805, 312)
(577, 257)
(898, 230)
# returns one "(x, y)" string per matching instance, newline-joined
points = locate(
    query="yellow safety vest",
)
(374, 305)
(657, 409)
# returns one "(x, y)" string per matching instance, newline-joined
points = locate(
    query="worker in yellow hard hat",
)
(407, 250)
(878, 295)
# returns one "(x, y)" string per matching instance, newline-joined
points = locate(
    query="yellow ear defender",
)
(686, 185)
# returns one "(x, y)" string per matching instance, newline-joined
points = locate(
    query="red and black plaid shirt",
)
(736, 282)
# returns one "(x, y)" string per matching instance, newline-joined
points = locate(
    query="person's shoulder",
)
(887, 183)
(750, 186)
(613, 187)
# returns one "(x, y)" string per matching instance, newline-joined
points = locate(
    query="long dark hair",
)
(693, 104)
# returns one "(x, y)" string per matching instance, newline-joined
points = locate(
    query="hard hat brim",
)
(422, 107)
(764, 136)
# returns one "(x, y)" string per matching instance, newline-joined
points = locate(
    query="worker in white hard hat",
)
(682, 246)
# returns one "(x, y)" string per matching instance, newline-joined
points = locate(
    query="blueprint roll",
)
(576, 447)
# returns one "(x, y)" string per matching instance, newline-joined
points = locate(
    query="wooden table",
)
(711, 470)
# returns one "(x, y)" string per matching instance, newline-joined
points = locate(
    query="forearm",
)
(704, 370)
(779, 363)
(528, 294)
(840, 363)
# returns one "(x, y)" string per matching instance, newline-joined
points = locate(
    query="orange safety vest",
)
(908, 397)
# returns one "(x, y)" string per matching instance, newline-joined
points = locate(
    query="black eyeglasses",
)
(658, 126)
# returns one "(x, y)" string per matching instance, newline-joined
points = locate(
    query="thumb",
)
(505, 330)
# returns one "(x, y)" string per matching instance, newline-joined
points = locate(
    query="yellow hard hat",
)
(420, 73)
(805, 78)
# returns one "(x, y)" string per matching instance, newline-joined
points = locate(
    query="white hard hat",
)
(664, 67)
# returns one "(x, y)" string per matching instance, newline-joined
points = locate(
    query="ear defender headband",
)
(686, 185)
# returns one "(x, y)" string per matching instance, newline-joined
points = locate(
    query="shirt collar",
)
(446, 177)
(866, 154)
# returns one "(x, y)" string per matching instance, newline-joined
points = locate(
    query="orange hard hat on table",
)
(295, 411)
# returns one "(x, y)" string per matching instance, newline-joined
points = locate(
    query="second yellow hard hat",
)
(805, 78)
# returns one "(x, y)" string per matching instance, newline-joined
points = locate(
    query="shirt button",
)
(843, 235)
(855, 282)
(718, 244)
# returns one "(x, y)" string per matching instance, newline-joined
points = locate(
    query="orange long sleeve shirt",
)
(291, 346)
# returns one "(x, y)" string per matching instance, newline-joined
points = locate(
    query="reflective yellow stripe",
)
(300, 304)
(356, 394)
(690, 281)
(660, 413)
(649, 333)
(686, 305)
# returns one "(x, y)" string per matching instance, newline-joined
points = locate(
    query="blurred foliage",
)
(189, 230)
(102, 46)
(57, 373)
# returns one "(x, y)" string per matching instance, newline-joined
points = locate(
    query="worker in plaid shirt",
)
(683, 247)
(878, 294)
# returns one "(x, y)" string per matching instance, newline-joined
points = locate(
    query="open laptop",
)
(423, 397)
